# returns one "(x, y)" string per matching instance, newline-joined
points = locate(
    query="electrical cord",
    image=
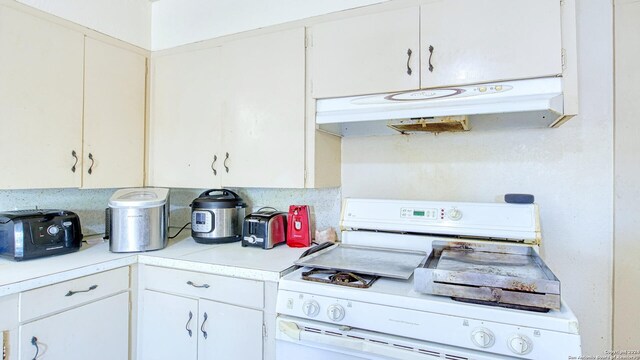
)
(179, 231)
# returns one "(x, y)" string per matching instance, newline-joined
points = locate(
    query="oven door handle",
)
(296, 334)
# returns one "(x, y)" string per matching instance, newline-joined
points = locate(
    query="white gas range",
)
(391, 320)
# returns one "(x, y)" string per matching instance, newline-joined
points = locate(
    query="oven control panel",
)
(477, 334)
(417, 213)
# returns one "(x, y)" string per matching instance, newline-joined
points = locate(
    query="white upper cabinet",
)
(475, 41)
(230, 116)
(114, 111)
(264, 111)
(186, 108)
(41, 79)
(365, 54)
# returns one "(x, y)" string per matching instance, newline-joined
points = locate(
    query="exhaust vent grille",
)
(435, 125)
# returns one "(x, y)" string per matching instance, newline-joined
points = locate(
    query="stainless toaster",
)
(264, 228)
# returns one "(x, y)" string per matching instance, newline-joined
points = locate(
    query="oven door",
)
(311, 340)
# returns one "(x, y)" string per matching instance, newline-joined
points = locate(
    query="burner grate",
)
(339, 278)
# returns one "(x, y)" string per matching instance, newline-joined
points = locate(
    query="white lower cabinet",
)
(98, 330)
(82, 318)
(229, 332)
(200, 316)
(169, 328)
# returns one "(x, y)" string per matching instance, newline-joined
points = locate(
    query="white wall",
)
(128, 20)
(626, 328)
(178, 22)
(568, 169)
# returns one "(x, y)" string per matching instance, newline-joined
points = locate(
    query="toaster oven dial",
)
(53, 230)
(335, 312)
(311, 308)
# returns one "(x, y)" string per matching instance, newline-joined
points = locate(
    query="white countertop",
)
(223, 259)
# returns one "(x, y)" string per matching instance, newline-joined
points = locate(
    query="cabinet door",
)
(169, 328)
(40, 102)
(232, 332)
(475, 41)
(264, 118)
(97, 331)
(114, 109)
(365, 54)
(186, 106)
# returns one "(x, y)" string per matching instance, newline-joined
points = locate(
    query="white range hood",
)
(514, 104)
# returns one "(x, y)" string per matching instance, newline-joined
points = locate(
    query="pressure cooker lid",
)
(218, 199)
(139, 198)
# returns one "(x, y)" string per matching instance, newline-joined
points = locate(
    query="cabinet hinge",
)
(308, 40)
(563, 54)
(264, 331)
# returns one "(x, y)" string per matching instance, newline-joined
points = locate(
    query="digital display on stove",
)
(419, 214)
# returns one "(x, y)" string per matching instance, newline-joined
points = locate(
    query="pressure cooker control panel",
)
(202, 221)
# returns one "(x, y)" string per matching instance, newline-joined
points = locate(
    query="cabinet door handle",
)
(92, 162)
(34, 342)
(409, 52)
(92, 287)
(226, 168)
(430, 55)
(215, 158)
(204, 333)
(73, 153)
(189, 323)
(206, 286)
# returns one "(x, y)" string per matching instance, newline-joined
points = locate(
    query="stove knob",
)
(53, 230)
(311, 308)
(483, 337)
(454, 214)
(335, 312)
(520, 344)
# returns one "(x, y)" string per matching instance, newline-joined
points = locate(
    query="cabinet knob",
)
(409, 52)
(226, 168)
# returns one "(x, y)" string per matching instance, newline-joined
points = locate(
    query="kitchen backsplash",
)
(90, 204)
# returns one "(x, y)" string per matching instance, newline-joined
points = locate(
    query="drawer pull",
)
(92, 287)
(206, 286)
(189, 323)
(34, 342)
(204, 333)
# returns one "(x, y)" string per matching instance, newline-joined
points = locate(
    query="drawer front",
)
(240, 292)
(38, 302)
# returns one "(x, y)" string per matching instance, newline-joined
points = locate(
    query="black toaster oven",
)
(31, 234)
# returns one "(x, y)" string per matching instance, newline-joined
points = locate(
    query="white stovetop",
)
(183, 253)
(396, 293)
